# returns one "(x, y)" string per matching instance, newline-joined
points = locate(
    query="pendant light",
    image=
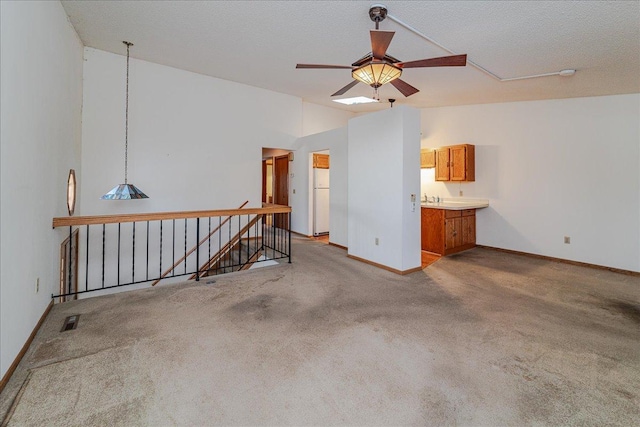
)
(125, 191)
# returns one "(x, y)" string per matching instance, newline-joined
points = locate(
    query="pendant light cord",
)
(126, 115)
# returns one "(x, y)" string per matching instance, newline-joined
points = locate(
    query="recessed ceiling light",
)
(356, 100)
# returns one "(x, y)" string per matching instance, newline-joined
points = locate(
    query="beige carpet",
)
(478, 338)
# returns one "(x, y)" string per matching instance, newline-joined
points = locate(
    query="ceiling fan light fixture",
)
(376, 73)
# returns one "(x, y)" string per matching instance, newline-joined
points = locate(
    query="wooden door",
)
(281, 189)
(264, 181)
(442, 164)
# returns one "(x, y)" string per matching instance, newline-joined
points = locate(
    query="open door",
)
(281, 188)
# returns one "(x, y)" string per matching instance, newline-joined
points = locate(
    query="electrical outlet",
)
(37, 285)
(294, 191)
(567, 240)
(377, 241)
(460, 193)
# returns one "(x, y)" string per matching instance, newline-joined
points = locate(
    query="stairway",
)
(241, 256)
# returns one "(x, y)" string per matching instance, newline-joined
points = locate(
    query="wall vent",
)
(71, 322)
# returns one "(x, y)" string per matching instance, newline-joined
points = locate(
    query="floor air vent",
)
(70, 323)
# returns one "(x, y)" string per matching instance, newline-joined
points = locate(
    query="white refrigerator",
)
(320, 201)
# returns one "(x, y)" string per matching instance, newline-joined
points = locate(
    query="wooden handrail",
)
(157, 216)
(192, 250)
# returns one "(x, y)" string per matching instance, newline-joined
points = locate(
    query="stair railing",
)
(138, 249)
(193, 249)
(228, 247)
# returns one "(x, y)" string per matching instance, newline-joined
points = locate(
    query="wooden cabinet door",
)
(453, 233)
(321, 161)
(458, 164)
(442, 164)
(469, 230)
(427, 158)
(462, 162)
(432, 230)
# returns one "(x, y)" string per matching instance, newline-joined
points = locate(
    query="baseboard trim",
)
(564, 261)
(384, 267)
(25, 347)
(339, 246)
(300, 234)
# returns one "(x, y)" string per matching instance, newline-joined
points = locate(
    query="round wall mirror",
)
(71, 191)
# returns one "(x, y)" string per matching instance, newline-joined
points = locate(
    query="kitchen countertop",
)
(457, 204)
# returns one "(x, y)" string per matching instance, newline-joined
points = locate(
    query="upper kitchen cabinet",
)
(442, 164)
(456, 163)
(427, 158)
(320, 161)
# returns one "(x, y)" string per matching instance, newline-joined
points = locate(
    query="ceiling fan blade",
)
(444, 61)
(322, 66)
(405, 88)
(346, 88)
(380, 41)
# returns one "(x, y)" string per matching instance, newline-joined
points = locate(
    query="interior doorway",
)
(275, 181)
(281, 188)
(267, 180)
(321, 162)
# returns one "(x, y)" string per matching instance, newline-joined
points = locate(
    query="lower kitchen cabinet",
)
(448, 231)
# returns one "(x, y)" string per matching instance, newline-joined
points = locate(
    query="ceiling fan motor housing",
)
(377, 13)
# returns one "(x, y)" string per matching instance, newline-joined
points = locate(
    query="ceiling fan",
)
(377, 68)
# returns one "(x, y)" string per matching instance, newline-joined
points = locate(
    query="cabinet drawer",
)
(452, 214)
(468, 212)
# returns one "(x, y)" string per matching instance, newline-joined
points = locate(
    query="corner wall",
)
(302, 201)
(383, 172)
(41, 101)
(553, 168)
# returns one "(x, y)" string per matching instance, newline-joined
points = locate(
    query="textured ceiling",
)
(259, 43)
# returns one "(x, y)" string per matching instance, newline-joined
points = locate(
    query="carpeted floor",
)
(477, 338)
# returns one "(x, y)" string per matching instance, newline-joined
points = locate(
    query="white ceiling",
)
(259, 43)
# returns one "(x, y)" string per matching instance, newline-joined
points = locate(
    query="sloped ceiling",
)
(259, 43)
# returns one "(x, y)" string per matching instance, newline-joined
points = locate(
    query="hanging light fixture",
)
(125, 191)
(376, 73)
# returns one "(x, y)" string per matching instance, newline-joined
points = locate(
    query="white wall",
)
(301, 202)
(383, 172)
(195, 142)
(41, 95)
(551, 169)
(318, 118)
